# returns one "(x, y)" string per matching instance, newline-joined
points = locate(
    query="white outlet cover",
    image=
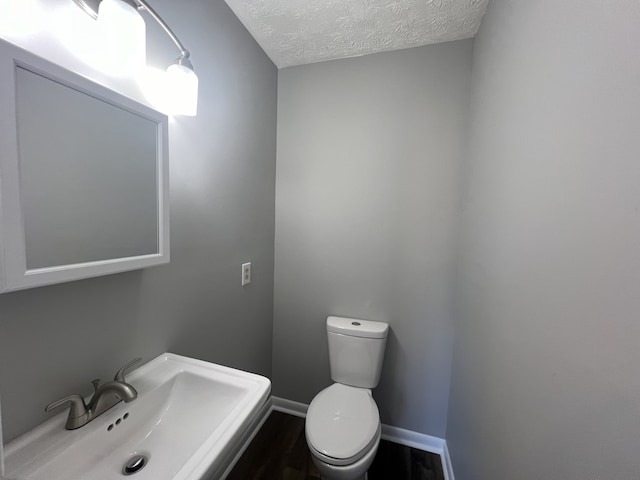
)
(246, 273)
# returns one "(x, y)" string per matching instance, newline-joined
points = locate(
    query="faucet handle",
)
(96, 384)
(78, 407)
(120, 375)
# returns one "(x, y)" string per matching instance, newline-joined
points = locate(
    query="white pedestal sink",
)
(188, 421)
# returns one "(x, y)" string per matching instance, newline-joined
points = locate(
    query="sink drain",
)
(134, 464)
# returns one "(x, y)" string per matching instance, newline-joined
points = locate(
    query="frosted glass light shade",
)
(182, 89)
(123, 37)
(21, 18)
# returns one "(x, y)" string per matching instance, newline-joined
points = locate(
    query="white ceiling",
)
(294, 32)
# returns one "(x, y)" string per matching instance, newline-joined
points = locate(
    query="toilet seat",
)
(342, 424)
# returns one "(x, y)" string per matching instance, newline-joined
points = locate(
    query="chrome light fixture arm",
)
(90, 7)
(181, 80)
(184, 53)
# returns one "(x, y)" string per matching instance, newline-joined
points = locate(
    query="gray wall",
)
(545, 381)
(54, 340)
(366, 202)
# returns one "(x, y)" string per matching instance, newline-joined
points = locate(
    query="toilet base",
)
(355, 471)
(365, 477)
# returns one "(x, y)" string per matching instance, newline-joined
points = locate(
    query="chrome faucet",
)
(104, 397)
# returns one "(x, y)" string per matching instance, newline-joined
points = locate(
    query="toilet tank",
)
(356, 350)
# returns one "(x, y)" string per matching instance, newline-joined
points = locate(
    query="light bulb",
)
(122, 37)
(21, 18)
(182, 90)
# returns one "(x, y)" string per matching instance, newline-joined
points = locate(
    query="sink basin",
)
(187, 423)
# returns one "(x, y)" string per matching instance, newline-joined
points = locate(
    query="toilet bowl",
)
(342, 426)
(343, 431)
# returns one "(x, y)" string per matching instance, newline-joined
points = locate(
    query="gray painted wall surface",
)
(545, 381)
(366, 201)
(54, 340)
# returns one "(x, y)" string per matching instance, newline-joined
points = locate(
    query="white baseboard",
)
(289, 406)
(447, 466)
(401, 436)
(423, 442)
(413, 439)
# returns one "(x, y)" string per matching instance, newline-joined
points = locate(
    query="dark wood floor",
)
(279, 452)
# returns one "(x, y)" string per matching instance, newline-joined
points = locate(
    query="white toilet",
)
(343, 422)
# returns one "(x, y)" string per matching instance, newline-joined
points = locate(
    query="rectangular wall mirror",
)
(84, 180)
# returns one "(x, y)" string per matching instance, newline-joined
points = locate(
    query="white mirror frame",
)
(13, 266)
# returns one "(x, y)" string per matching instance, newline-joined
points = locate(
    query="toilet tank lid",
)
(357, 328)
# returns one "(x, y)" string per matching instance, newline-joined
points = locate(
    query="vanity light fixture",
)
(124, 31)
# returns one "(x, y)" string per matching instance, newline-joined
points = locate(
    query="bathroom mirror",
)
(83, 177)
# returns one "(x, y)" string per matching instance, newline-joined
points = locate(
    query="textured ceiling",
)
(294, 32)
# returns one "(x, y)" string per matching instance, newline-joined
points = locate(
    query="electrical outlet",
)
(246, 273)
